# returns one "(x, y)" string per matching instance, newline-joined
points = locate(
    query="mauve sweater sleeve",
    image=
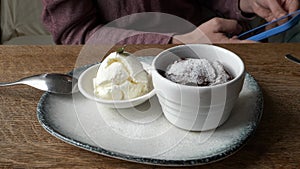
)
(75, 22)
(228, 9)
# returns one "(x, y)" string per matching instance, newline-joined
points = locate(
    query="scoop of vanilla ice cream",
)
(121, 77)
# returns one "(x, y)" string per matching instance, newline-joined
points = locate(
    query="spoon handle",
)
(10, 84)
(292, 58)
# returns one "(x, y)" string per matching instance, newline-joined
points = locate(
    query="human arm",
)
(269, 9)
(77, 22)
(229, 9)
(68, 21)
(241, 10)
(218, 29)
(212, 31)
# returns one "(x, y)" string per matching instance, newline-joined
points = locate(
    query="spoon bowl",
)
(85, 85)
(52, 83)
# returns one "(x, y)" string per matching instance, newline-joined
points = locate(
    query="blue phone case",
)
(274, 31)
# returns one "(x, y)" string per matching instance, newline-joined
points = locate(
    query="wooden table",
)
(24, 143)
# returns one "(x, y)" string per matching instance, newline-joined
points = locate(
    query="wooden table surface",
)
(24, 143)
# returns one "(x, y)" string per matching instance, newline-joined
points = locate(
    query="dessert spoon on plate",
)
(52, 83)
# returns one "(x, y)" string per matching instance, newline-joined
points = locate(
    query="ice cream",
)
(121, 77)
(197, 72)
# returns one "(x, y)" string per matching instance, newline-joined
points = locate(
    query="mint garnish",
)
(122, 52)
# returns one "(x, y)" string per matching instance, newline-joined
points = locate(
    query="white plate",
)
(142, 134)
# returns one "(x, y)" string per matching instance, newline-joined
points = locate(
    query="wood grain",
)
(25, 144)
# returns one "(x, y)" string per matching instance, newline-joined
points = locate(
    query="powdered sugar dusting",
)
(197, 72)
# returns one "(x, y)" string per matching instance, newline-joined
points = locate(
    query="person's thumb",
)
(229, 26)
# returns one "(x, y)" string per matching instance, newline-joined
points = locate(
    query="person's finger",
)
(232, 41)
(236, 40)
(276, 9)
(248, 41)
(264, 13)
(226, 26)
(220, 38)
(292, 6)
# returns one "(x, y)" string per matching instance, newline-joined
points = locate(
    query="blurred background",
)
(21, 23)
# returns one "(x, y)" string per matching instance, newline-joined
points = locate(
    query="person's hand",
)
(269, 9)
(212, 31)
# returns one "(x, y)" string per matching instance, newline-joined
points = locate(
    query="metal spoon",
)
(52, 83)
(292, 58)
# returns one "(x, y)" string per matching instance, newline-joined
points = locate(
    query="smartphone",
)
(272, 28)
